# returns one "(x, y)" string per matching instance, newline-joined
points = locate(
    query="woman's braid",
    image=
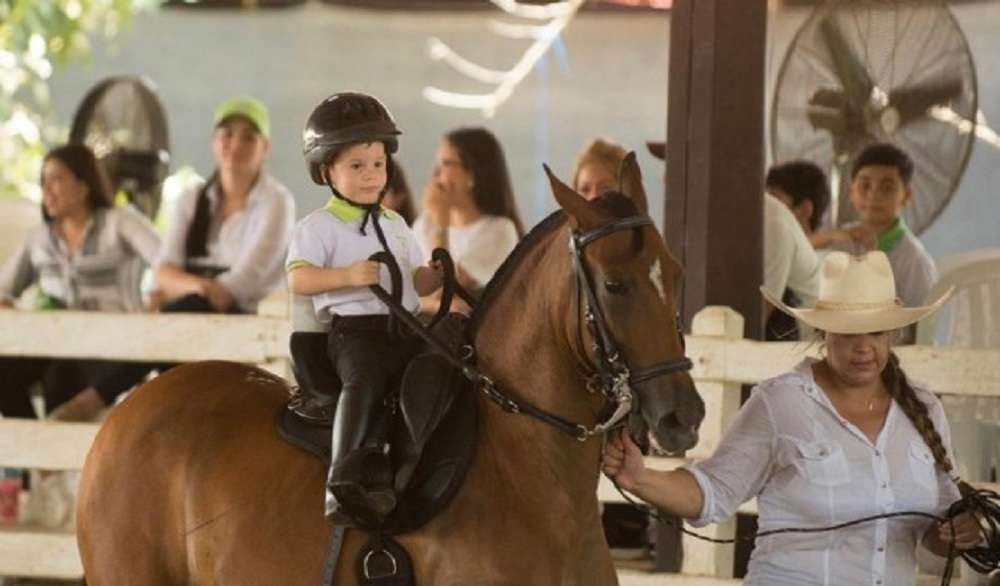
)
(900, 390)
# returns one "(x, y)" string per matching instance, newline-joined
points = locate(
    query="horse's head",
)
(627, 286)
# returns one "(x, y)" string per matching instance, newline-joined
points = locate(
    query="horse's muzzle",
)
(677, 429)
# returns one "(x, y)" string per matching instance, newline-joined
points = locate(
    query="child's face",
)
(594, 179)
(879, 194)
(359, 172)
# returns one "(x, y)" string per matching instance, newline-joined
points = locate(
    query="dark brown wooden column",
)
(715, 153)
(715, 169)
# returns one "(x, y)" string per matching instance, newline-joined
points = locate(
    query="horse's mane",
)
(614, 203)
(541, 230)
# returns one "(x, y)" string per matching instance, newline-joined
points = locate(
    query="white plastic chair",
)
(971, 319)
(972, 316)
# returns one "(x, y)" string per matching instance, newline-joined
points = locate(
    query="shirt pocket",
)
(100, 270)
(923, 467)
(823, 463)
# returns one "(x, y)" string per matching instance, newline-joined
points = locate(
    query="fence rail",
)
(722, 362)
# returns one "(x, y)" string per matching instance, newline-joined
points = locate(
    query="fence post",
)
(276, 305)
(722, 401)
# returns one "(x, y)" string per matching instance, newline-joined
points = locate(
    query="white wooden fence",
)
(722, 362)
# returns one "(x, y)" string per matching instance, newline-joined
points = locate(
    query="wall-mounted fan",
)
(122, 121)
(864, 71)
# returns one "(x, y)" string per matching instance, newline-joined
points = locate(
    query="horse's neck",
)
(523, 347)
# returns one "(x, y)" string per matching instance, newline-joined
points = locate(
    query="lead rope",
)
(984, 504)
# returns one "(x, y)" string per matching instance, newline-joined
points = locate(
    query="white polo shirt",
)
(331, 237)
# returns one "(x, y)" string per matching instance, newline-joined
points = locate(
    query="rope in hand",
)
(983, 504)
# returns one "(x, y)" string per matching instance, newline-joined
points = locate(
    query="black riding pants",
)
(369, 360)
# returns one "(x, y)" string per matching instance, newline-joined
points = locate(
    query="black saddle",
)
(432, 432)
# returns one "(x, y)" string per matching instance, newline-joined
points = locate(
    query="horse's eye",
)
(615, 287)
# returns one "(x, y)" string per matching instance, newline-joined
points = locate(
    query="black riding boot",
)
(360, 480)
(319, 388)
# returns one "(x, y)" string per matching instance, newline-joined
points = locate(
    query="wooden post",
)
(722, 401)
(715, 153)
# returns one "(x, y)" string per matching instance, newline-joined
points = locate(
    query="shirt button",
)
(880, 549)
(884, 485)
(878, 453)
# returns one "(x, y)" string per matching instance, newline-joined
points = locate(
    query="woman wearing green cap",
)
(225, 246)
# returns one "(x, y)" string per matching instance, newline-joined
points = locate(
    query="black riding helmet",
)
(342, 120)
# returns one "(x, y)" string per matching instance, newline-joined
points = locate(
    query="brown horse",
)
(188, 483)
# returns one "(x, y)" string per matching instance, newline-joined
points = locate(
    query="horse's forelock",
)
(616, 204)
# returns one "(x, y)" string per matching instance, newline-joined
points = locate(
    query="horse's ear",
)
(579, 209)
(630, 182)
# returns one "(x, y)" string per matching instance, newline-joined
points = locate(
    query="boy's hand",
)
(862, 237)
(363, 273)
(428, 278)
(437, 271)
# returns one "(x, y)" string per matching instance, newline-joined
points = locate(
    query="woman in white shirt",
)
(836, 439)
(225, 247)
(469, 207)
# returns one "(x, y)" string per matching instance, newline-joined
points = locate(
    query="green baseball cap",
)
(250, 108)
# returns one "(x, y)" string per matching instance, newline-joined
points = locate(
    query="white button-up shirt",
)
(250, 245)
(810, 467)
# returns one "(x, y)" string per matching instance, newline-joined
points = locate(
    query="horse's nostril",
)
(691, 415)
(668, 424)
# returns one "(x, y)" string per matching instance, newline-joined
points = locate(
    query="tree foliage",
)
(35, 37)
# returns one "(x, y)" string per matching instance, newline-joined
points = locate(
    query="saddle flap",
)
(427, 392)
(433, 434)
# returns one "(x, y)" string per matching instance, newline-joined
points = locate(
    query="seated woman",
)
(226, 243)
(841, 438)
(469, 208)
(87, 255)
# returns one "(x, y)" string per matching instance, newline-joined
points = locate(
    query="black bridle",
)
(614, 378)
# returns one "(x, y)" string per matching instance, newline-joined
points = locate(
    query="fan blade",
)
(913, 102)
(852, 74)
(826, 119)
(829, 98)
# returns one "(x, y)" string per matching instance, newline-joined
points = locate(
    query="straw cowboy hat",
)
(857, 295)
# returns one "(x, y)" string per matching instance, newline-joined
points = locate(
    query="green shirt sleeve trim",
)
(296, 264)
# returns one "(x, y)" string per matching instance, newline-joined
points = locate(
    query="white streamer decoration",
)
(557, 14)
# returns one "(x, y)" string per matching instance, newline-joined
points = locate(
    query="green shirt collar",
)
(891, 237)
(348, 213)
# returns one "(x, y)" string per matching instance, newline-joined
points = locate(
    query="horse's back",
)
(190, 461)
